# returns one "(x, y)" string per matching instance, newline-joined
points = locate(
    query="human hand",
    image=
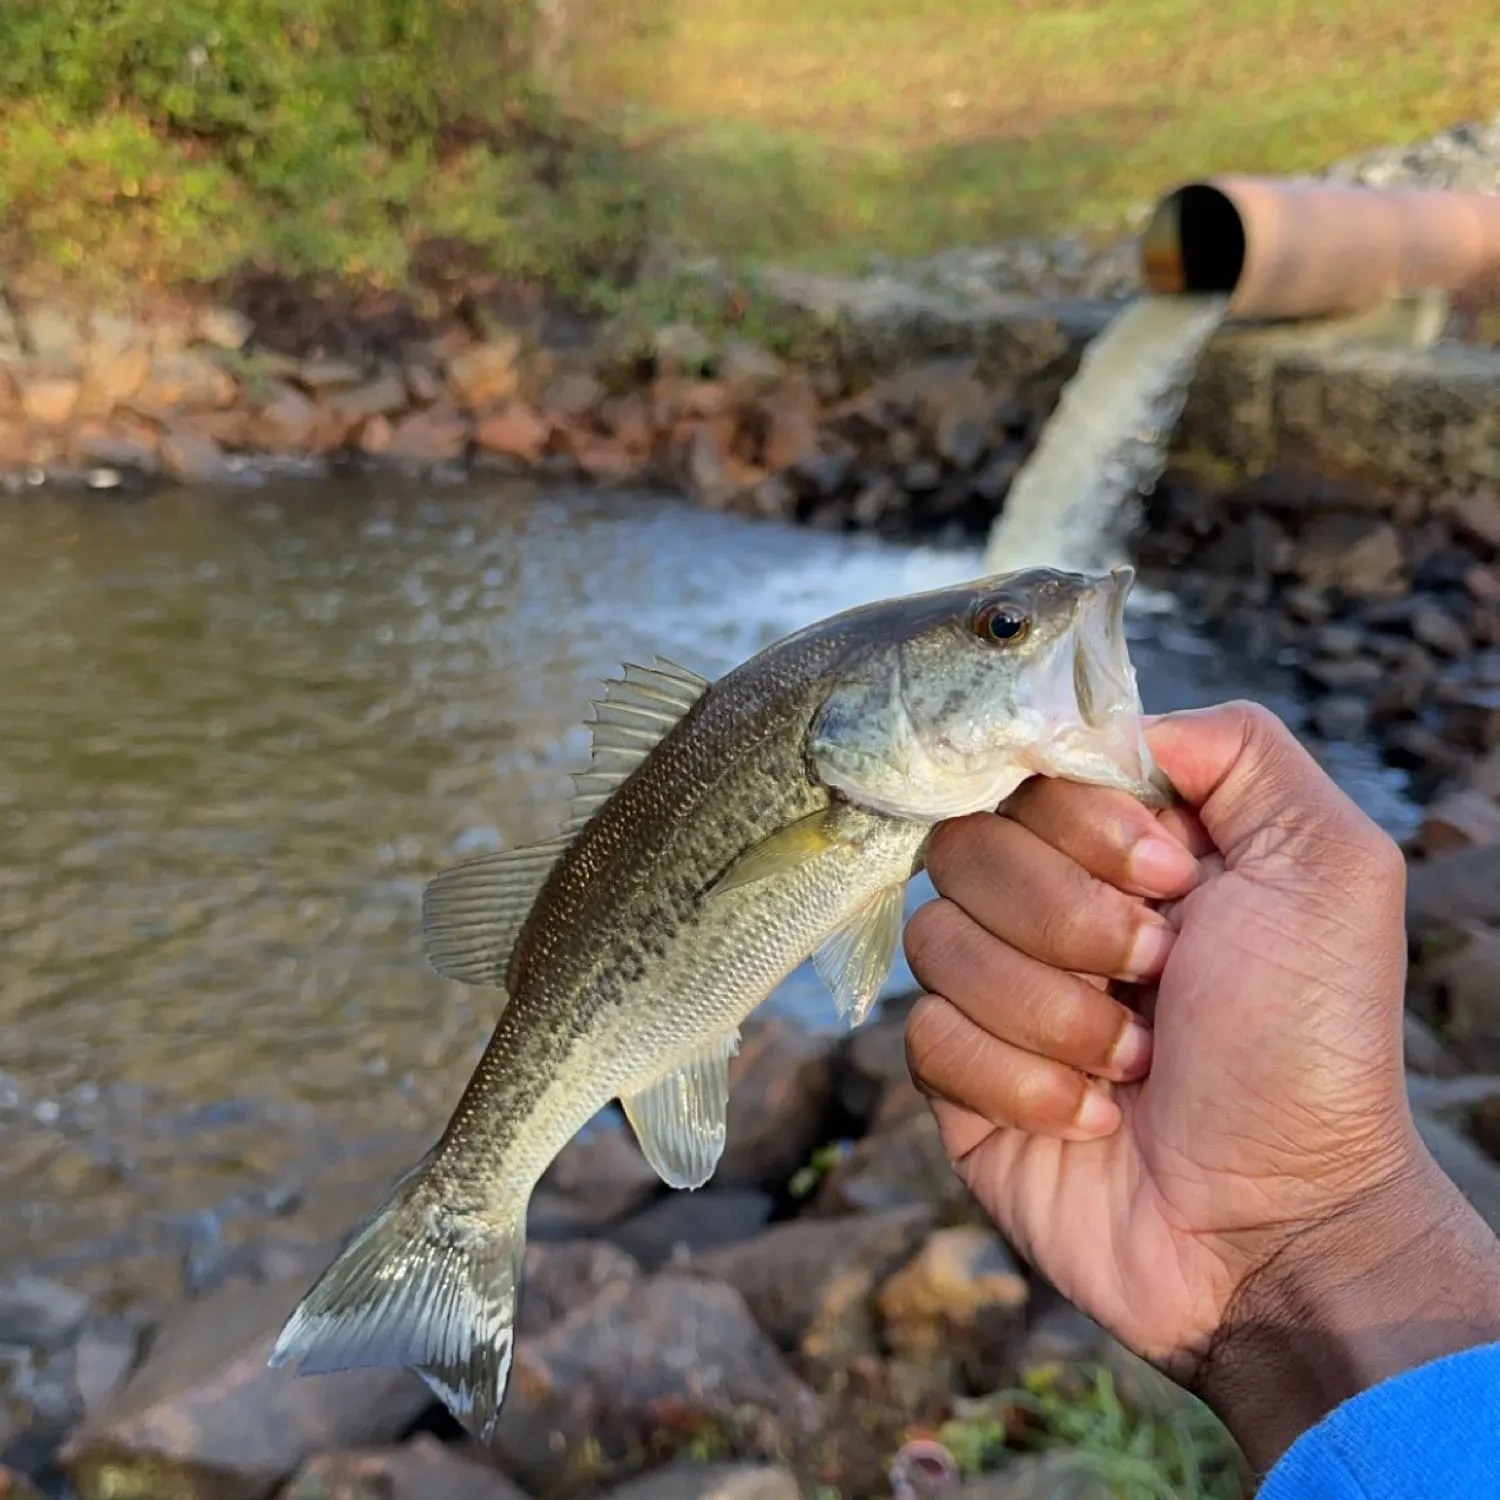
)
(1215, 1180)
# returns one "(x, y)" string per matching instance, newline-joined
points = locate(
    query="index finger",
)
(1113, 836)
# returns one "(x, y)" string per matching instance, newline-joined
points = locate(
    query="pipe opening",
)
(1210, 239)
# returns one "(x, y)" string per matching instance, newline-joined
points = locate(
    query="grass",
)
(163, 142)
(1173, 1450)
(815, 134)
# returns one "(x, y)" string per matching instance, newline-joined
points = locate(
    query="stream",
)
(242, 729)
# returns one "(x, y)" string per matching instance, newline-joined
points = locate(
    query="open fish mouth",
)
(1104, 682)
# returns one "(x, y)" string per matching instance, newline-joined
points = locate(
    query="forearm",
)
(1408, 1275)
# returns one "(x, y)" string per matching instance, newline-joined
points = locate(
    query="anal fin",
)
(681, 1120)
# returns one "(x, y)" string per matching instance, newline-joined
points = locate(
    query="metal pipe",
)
(1290, 249)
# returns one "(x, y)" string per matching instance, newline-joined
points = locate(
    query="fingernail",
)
(1162, 866)
(1148, 952)
(1132, 1054)
(1098, 1114)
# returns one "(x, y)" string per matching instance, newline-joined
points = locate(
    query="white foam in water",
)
(1107, 440)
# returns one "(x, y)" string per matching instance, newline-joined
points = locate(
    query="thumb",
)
(1260, 795)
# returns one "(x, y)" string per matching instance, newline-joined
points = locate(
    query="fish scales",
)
(721, 835)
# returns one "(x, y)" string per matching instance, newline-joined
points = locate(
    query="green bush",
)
(311, 135)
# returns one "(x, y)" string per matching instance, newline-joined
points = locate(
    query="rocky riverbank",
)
(831, 1307)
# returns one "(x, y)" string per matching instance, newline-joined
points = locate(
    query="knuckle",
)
(934, 935)
(1047, 1095)
(931, 1029)
(959, 851)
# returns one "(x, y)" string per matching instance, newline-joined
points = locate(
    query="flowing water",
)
(240, 732)
(1106, 443)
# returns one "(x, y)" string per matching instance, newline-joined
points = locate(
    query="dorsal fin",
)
(637, 712)
(473, 913)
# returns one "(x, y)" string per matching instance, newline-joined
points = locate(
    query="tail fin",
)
(418, 1288)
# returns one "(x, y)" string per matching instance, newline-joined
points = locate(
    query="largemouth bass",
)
(722, 834)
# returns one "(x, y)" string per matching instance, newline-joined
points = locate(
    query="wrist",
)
(1406, 1274)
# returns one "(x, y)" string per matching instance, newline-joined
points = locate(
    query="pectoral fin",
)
(856, 961)
(786, 850)
(680, 1120)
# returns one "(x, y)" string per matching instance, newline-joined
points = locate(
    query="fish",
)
(722, 834)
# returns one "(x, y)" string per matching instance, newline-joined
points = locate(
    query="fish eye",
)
(1002, 622)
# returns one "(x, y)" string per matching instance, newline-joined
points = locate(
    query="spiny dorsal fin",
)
(855, 961)
(637, 712)
(681, 1120)
(473, 913)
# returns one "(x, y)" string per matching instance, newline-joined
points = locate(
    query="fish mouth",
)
(1104, 681)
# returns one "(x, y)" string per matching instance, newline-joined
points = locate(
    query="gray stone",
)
(422, 1469)
(691, 1224)
(40, 1314)
(711, 1481)
(204, 1407)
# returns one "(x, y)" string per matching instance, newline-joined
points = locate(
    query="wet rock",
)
(1062, 1335)
(810, 1283)
(1061, 1475)
(673, 1347)
(324, 376)
(868, 1061)
(1359, 555)
(223, 327)
(748, 371)
(1459, 821)
(602, 458)
(559, 1279)
(1484, 1127)
(1472, 1172)
(1476, 517)
(52, 334)
(423, 382)
(1423, 1048)
(881, 497)
(122, 445)
(1469, 979)
(598, 1177)
(572, 396)
(1484, 774)
(711, 1481)
(432, 435)
(905, 1166)
(195, 458)
(1345, 674)
(485, 374)
(709, 481)
(423, 1469)
(204, 1416)
(629, 418)
(791, 428)
(103, 1358)
(681, 350)
(38, 1313)
(1437, 629)
(771, 497)
(780, 1085)
(1416, 747)
(515, 431)
(117, 375)
(16, 1486)
(1471, 715)
(1340, 716)
(1453, 890)
(286, 420)
(957, 417)
(690, 1224)
(381, 397)
(50, 399)
(1340, 640)
(182, 382)
(960, 1302)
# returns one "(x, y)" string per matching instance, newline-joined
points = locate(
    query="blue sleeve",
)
(1432, 1432)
